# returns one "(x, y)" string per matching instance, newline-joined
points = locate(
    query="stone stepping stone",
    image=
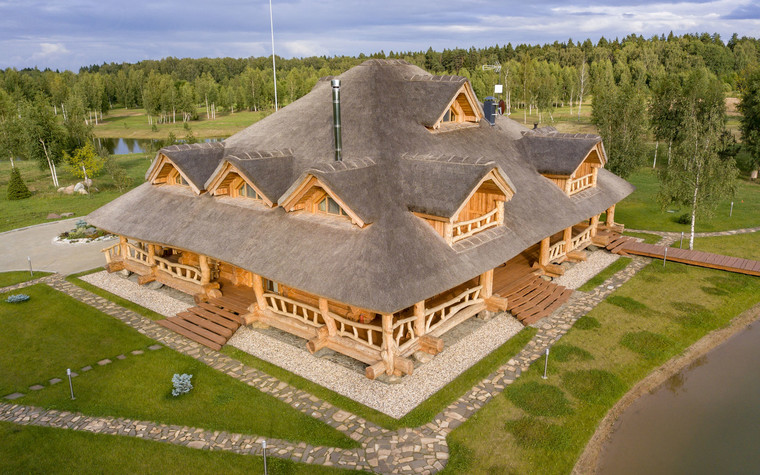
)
(55, 381)
(86, 368)
(36, 387)
(138, 352)
(14, 396)
(104, 362)
(74, 375)
(121, 357)
(154, 347)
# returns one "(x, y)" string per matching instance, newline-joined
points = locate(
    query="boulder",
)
(67, 215)
(53, 216)
(88, 182)
(61, 189)
(125, 272)
(78, 186)
(69, 190)
(422, 357)
(82, 191)
(155, 285)
(89, 231)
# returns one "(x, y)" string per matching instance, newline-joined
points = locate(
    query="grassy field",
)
(45, 198)
(641, 211)
(542, 426)
(605, 274)
(17, 277)
(738, 245)
(133, 123)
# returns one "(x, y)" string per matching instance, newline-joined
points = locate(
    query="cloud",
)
(745, 12)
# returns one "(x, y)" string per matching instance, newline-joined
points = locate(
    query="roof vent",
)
(490, 109)
(336, 118)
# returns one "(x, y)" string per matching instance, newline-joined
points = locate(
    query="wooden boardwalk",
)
(628, 245)
(532, 298)
(211, 323)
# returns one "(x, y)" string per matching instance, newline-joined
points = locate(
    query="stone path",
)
(410, 450)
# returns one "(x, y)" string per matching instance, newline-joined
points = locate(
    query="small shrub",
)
(565, 353)
(181, 384)
(534, 433)
(647, 344)
(118, 174)
(17, 298)
(593, 385)
(539, 399)
(17, 189)
(683, 219)
(587, 323)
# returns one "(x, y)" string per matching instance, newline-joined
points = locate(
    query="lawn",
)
(605, 274)
(641, 211)
(652, 318)
(737, 245)
(17, 277)
(74, 279)
(45, 199)
(52, 332)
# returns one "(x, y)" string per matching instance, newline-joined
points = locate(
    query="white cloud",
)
(300, 48)
(48, 50)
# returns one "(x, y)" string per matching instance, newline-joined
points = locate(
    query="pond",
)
(122, 145)
(705, 419)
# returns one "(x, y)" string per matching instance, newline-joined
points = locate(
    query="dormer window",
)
(178, 179)
(246, 191)
(462, 111)
(330, 206)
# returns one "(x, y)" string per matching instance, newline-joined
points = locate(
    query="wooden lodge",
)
(425, 216)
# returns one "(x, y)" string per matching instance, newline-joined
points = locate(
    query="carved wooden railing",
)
(582, 238)
(134, 253)
(294, 309)
(557, 251)
(404, 330)
(466, 229)
(350, 329)
(180, 271)
(112, 252)
(580, 184)
(441, 313)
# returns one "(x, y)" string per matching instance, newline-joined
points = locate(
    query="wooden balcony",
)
(580, 184)
(465, 229)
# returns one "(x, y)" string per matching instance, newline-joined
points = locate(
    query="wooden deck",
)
(211, 323)
(532, 298)
(685, 256)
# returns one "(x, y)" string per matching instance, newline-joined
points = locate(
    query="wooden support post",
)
(594, 173)
(610, 216)
(324, 308)
(543, 253)
(486, 280)
(419, 322)
(258, 290)
(151, 254)
(594, 225)
(448, 232)
(389, 344)
(568, 238)
(123, 246)
(205, 269)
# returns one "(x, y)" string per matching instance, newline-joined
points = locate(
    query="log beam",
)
(430, 344)
(496, 303)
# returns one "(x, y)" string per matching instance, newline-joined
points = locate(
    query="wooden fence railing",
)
(404, 330)
(466, 229)
(136, 254)
(580, 184)
(294, 309)
(366, 334)
(112, 252)
(582, 238)
(180, 271)
(438, 315)
(557, 251)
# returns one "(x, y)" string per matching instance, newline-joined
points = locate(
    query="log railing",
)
(134, 253)
(557, 251)
(180, 271)
(404, 330)
(439, 314)
(465, 229)
(371, 335)
(580, 184)
(112, 252)
(582, 238)
(292, 308)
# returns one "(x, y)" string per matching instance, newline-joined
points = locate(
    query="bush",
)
(539, 399)
(683, 219)
(118, 174)
(181, 384)
(594, 385)
(17, 298)
(17, 189)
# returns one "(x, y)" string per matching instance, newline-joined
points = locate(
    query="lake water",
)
(704, 420)
(121, 146)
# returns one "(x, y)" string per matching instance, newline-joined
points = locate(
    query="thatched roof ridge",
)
(196, 161)
(556, 153)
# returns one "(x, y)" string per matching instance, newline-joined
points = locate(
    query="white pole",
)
(546, 363)
(264, 447)
(71, 387)
(731, 213)
(274, 68)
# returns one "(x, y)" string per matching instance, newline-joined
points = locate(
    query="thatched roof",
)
(393, 165)
(556, 153)
(197, 161)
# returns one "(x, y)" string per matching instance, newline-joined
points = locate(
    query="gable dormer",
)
(584, 175)
(167, 172)
(463, 110)
(313, 195)
(229, 180)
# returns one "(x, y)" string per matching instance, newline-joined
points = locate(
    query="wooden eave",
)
(306, 185)
(469, 94)
(599, 149)
(163, 160)
(228, 168)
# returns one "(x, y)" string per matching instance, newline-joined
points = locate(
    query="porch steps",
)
(532, 298)
(210, 324)
(618, 243)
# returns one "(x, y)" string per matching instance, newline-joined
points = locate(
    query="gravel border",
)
(582, 272)
(151, 299)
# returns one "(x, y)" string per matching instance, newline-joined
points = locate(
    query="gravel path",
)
(581, 272)
(124, 288)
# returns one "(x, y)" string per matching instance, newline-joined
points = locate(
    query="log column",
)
(486, 280)
(594, 223)
(610, 221)
(389, 344)
(152, 254)
(123, 247)
(324, 309)
(594, 173)
(419, 322)
(258, 290)
(543, 251)
(568, 238)
(205, 269)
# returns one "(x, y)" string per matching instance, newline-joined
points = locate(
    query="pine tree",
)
(17, 189)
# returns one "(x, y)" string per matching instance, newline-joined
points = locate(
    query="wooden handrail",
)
(349, 328)
(180, 271)
(111, 251)
(582, 237)
(298, 310)
(136, 254)
(404, 328)
(557, 251)
(580, 184)
(473, 226)
(447, 309)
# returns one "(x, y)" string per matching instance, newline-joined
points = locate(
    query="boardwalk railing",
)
(557, 251)
(363, 333)
(134, 253)
(291, 308)
(580, 184)
(112, 252)
(439, 314)
(466, 229)
(403, 333)
(180, 271)
(582, 238)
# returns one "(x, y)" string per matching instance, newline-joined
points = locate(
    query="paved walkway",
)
(37, 242)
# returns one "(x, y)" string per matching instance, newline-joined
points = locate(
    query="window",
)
(330, 206)
(247, 191)
(179, 180)
(272, 286)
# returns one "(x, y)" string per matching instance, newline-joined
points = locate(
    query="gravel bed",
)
(156, 300)
(581, 272)
(393, 399)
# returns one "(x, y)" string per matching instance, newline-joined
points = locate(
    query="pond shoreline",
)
(588, 462)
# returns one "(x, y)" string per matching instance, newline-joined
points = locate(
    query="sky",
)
(67, 34)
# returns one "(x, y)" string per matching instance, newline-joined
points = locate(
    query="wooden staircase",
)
(618, 243)
(211, 323)
(532, 298)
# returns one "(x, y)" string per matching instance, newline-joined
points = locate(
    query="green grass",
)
(647, 237)
(551, 444)
(539, 399)
(564, 353)
(45, 199)
(30, 449)
(420, 415)
(17, 277)
(605, 274)
(74, 279)
(640, 210)
(737, 245)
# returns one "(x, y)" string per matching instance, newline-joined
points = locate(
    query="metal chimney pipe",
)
(336, 119)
